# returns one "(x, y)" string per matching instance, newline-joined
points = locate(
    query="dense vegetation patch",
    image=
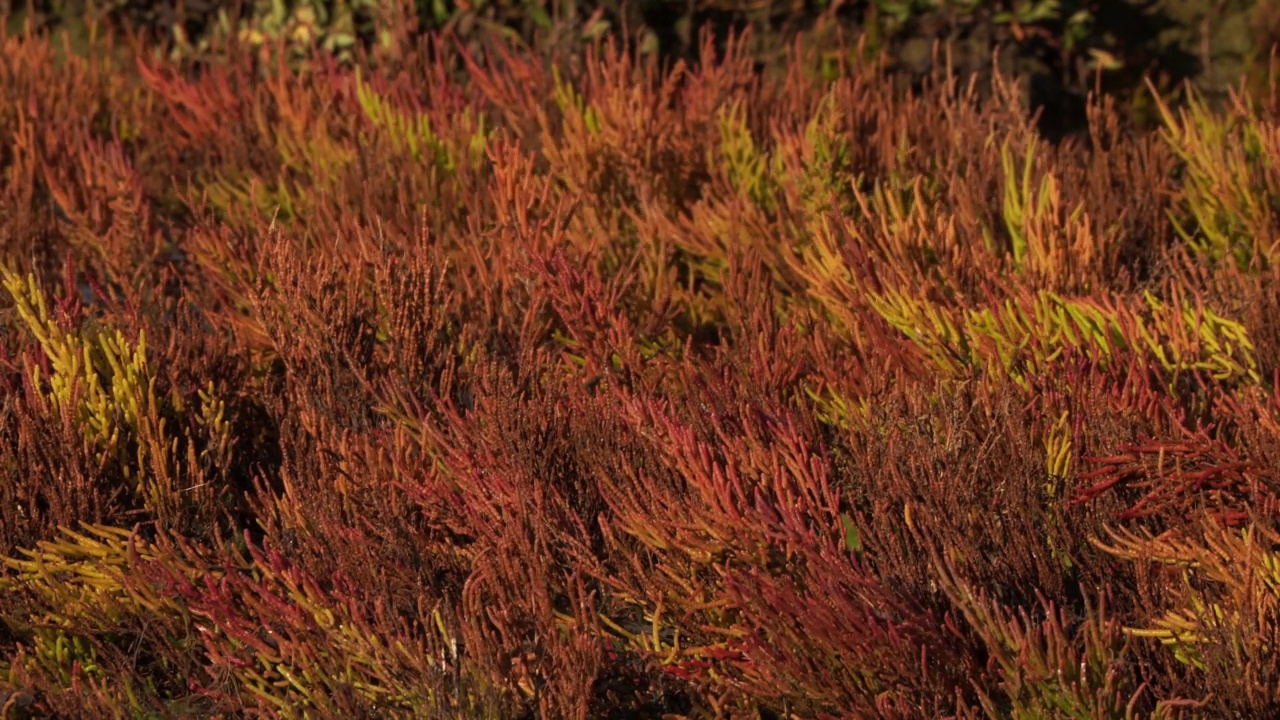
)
(471, 381)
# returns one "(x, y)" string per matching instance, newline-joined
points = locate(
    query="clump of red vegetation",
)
(501, 385)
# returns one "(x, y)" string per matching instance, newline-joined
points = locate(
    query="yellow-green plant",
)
(1232, 583)
(406, 132)
(1017, 339)
(1046, 239)
(1231, 181)
(101, 379)
(748, 167)
(81, 577)
(573, 105)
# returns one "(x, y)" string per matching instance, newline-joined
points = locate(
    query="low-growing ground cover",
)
(499, 384)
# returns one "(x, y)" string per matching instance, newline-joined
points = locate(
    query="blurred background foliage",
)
(1062, 49)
